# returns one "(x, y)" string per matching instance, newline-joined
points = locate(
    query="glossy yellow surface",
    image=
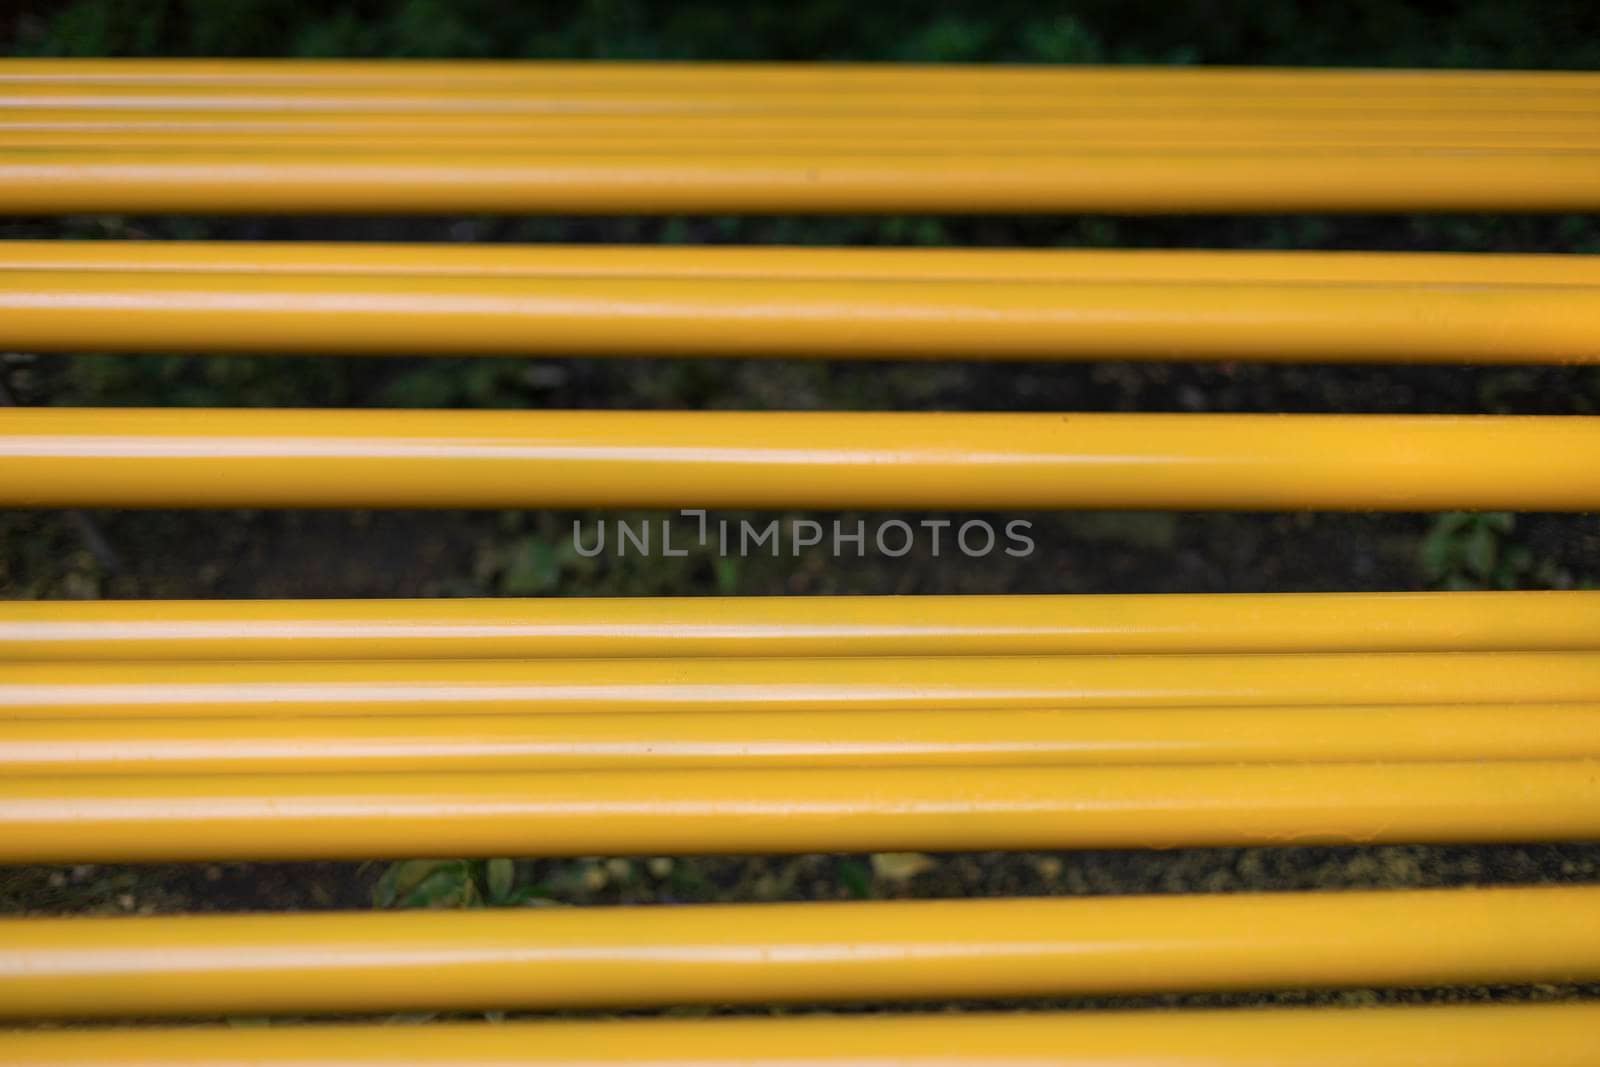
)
(490, 314)
(853, 126)
(210, 689)
(70, 457)
(305, 138)
(569, 137)
(1154, 266)
(1077, 736)
(110, 819)
(813, 951)
(180, 133)
(580, 106)
(709, 99)
(1529, 1035)
(623, 627)
(45, 181)
(577, 92)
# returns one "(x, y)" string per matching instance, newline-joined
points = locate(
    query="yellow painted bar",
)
(622, 741)
(201, 818)
(570, 76)
(189, 458)
(799, 263)
(771, 142)
(157, 311)
(1069, 133)
(212, 689)
(1178, 93)
(1480, 1035)
(644, 627)
(813, 951)
(871, 135)
(709, 99)
(221, 182)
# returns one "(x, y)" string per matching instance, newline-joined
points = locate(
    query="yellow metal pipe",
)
(1480, 1035)
(622, 741)
(704, 97)
(775, 143)
(634, 627)
(780, 141)
(190, 458)
(155, 311)
(1184, 94)
(93, 690)
(50, 181)
(788, 263)
(1422, 128)
(153, 131)
(143, 818)
(568, 76)
(814, 951)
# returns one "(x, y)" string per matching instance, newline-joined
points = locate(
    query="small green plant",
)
(452, 884)
(534, 567)
(1475, 550)
(1468, 550)
(856, 877)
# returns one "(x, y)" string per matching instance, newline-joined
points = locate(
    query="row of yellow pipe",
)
(713, 101)
(846, 133)
(843, 132)
(801, 263)
(52, 181)
(719, 100)
(488, 314)
(286, 689)
(647, 956)
(148, 760)
(752, 692)
(623, 741)
(555, 76)
(197, 818)
(148, 131)
(187, 458)
(571, 138)
(562, 89)
(826, 626)
(1529, 1035)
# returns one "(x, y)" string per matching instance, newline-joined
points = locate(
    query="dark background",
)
(254, 554)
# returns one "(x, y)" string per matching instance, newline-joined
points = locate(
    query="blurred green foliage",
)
(452, 884)
(1465, 550)
(1477, 33)
(1479, 550)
